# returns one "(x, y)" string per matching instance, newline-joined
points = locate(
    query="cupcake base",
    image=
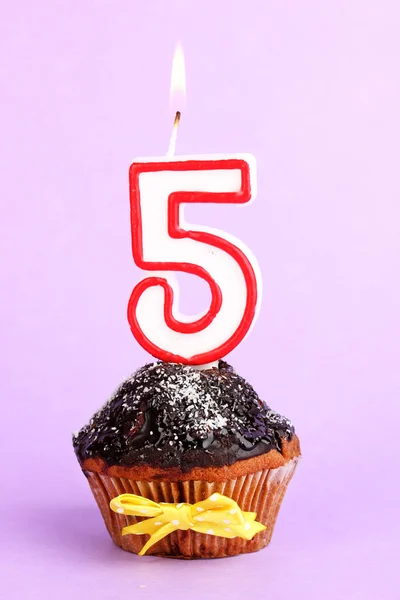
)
(261, 492)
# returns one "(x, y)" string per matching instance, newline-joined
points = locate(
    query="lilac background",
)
(313, 90)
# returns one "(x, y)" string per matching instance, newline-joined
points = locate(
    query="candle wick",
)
(174, 134)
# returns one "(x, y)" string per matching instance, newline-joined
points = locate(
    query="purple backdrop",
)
(312, 89)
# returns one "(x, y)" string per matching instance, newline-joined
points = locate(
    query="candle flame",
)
(178, 78)
(177, 93)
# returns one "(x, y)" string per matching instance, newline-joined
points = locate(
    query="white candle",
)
(163, 243)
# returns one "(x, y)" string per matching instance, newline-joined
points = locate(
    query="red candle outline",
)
(175, 231)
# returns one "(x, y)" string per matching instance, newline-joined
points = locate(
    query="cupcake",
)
(188, 463)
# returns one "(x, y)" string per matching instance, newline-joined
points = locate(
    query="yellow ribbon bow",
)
(218, 515)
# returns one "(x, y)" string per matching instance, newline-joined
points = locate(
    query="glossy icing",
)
(171, 415)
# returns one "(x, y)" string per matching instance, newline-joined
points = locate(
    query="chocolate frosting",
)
(171, 415)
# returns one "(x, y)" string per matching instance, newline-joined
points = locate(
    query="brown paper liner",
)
(261, 492)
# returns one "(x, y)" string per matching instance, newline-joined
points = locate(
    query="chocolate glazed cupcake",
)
(174, 434)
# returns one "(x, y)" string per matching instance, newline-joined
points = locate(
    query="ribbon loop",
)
(137, 506)
(217, 515)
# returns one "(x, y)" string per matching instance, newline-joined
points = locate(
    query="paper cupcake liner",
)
(261, 492)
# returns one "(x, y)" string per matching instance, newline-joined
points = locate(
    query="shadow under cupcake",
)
(173, 434)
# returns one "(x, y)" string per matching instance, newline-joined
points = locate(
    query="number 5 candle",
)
(164, 244)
